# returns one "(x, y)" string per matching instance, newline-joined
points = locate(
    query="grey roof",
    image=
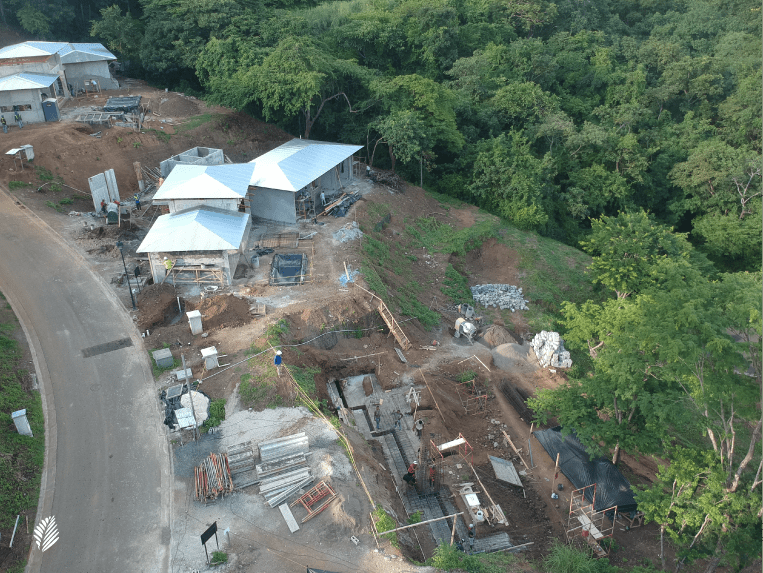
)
(297, 163)
(26, 81)
(69, 53)
(229, 181)
(196, 229)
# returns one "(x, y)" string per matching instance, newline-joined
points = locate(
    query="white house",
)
(298, 167)
(204, 243)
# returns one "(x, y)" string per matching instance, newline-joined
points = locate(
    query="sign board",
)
(212, 530)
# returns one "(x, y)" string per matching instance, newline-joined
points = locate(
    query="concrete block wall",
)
(195, 156)
(77, 73)
(20, 97)
(273, 205)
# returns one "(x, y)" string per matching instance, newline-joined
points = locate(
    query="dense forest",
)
(630, 128)
(549, 115)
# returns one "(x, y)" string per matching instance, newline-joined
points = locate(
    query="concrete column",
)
(22, 424)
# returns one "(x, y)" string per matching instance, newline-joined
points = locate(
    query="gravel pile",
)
(501, 296)
(549, 348)
(349, 232)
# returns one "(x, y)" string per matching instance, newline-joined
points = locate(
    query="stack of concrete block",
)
(549, 348)
(501, 296)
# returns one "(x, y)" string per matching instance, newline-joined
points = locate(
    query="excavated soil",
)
(496, 335)
(221, 311)
(155, 302)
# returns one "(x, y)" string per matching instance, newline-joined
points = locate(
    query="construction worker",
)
(431, 476)
(137, 201)
(277, 361)
(418, 427)
(377, 418)
(17, 119)
(471, 538)
(168, 264)
(4, 124)
(323, 198)
(103, 206)
(398, 416)
(410, 477)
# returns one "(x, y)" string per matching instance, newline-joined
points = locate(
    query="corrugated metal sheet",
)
(196, 229)
(30, 50)
(297, 163)
(76, 53)
(70, 53)
(26, 81)
(281, 447)
(206, 182)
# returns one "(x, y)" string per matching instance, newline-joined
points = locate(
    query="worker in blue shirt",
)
(277, 361)
(137, 202)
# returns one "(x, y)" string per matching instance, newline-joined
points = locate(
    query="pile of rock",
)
(349, 232)
(549, 348)
(501, 296)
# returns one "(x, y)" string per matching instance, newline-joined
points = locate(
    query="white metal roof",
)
(297, 163)
(196, 229)
(26, 81)
(229, 181)
(70, 53)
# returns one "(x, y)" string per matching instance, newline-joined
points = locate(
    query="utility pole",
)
(193, 410)
(120, 246)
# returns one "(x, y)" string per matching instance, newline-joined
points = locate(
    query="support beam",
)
(420, 523)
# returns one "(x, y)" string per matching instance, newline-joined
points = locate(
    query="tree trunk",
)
(662, 546)
(734, 482)
(616, 455)
(391, 157)
(712, 565)
(2, 12)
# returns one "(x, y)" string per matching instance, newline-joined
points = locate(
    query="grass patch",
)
(54, 206)
(194, 122)
(275, 331)
(456, 287)
(553, 273)
(415, 518)
(160, 134)
(305, 378)
(216, 415)
(22, 457)
(466, 376)
(446, 201)
(43, 174)
(66, 201)
(384, 523)
(13, 185)
(219, 557)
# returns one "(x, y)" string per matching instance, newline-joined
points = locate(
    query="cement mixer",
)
(466, 329)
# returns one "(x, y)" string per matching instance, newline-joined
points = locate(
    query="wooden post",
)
(433, 398)
(453, 531)
(516, 451)
(484, 489)
(420, 523)
(139, 175)
(556, 469)
(530, 445)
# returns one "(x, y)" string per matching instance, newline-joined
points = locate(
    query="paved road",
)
(107, 473)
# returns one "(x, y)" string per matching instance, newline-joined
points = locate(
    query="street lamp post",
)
(120, 246)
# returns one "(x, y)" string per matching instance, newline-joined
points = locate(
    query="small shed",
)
(300, 168)
(195, 156)
(221, 186)
(26, 93)
(204, 243)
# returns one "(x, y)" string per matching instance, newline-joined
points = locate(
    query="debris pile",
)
(212, 477)
(349, 232)
(549, 348)
(501, 296)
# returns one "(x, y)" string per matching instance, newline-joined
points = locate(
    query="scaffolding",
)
(472, 398)
(430, 458)
(586, 524)
(195, 274)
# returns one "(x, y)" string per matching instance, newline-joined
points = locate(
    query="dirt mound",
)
(496, 335)
(515, 358)
(154, 303)
(222, 311)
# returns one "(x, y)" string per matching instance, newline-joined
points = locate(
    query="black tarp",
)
(611, 486)
(126, 104)
(288, 269)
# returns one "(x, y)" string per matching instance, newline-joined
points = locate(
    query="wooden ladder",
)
(393, 326)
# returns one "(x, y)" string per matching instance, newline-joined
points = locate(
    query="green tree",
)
(626, 247)
(122, 33)
(405, 134)
(511, 180)
(33, 20)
